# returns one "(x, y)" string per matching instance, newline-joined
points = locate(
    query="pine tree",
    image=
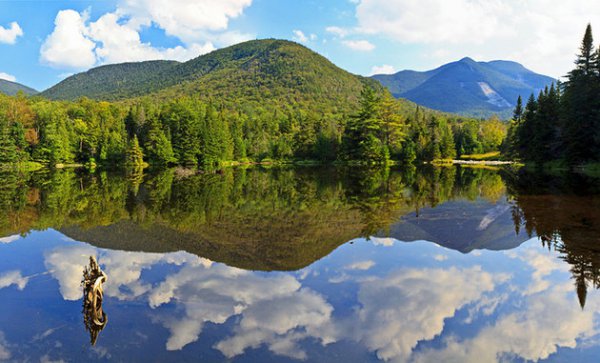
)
(518, 112)
(134, 156)
(8, 149)
(580, 105)
(158, 147)
(360, 140)
(392, 123)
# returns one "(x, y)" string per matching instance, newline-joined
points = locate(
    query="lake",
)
(308, 264)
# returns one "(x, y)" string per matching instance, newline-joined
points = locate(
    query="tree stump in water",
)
(94, 318)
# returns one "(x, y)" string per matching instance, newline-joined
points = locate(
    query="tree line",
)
(563, 122)
(194, 133)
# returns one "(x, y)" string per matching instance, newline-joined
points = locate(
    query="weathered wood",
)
(94, 317)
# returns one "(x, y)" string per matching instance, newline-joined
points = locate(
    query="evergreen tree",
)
(580, 105)
(158, 147)
(360, 139)
(8, 149)
(134, 157)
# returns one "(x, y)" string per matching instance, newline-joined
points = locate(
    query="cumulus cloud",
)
(382, 241)
(409, 305)
(69, 45)
(533, 333)
(300, 37)
(394, 311)
(13, 278)
(359, 45)
(384, 69)
(9, 35)
(184, 19)
(5, 353)
(14, 237)
(361, 265)
(78, 43)
(121, 43)
(275, 310)
(337, 31)
(543, 34)
(66, 266)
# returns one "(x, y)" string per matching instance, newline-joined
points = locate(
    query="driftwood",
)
(94, 318)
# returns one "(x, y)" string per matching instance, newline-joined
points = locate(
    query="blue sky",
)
(41, 42)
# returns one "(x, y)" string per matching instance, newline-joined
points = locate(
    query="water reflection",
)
(240, 266)
(564, 211)
(94, 317)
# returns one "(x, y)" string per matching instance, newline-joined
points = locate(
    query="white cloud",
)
(14, 237)
(361, 265)
(13, 278)
(532, 333)
(531, 32)
(5, 354)
(69, 45)
(9, 35)
(336, 30)
(77, 43)
(66, 266)
(184, 19)
(384, 69)
(421, 299)
(440, 258)
(359, 45)
(121, 43)
(382, 241)
(300, 37)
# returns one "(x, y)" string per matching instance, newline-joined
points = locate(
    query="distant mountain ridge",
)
(12, 88)
(267, 73)
(467, 87)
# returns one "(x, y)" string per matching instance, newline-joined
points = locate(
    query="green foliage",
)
(259, 100)
(134, 157)
(263, 219)
(563, 122)
(12, 88)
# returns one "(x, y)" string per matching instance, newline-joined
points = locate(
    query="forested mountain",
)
(467, 87)
(11, 88)
(113, 81)
(259, 101)
(269, 72)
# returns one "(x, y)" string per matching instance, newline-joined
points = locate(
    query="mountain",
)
(112, 82)
(11, 88)
(261, 71)
(468, 87)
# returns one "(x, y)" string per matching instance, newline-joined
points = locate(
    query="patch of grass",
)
(493, 155)
(24, 166)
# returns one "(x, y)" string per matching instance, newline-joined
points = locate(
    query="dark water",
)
(318, 265)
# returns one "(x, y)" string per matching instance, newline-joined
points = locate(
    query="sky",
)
(45, 41)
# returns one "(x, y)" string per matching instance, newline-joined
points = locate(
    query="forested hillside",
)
(12, 88)
(265, 100)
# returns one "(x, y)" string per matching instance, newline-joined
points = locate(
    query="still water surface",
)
(318, 265)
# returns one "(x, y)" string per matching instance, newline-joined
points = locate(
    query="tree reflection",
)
(263, 219)
(564, 212)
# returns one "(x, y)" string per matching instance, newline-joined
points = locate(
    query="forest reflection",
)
(564, 212)
(287, 218)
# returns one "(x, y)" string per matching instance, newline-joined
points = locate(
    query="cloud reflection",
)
(395, 308)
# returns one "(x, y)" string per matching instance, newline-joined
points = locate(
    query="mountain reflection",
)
(288, 218)
(277, 219)
(186, 258)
